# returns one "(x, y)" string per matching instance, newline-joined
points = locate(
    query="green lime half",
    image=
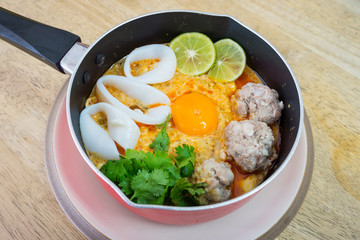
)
(230, 61)
(195, 53)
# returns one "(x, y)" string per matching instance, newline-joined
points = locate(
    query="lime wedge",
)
(195, 53)
(230, 61)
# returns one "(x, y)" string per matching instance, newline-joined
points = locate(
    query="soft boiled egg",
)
(194, 114)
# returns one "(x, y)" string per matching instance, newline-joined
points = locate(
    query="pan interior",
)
(121, 40)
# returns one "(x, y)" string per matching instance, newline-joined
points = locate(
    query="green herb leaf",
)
(185, 193)
(187, 170)
(120, 172)
(136, 158)
(113, 170)
(185, 159)
(152, 177)
(162, 141)
(158, 160)
(149, 186)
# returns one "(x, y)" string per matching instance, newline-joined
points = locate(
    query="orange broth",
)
(240, 177)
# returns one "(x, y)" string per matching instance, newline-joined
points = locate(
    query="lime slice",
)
(195, 53)
(230, 61)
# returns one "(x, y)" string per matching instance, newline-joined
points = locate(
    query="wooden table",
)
(320, 40)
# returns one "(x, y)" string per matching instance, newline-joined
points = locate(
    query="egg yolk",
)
(194, 114)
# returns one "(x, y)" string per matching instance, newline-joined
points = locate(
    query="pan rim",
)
(191, 208)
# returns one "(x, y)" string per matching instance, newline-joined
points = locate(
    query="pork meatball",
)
(257, 101)
(218, 176)
(250, 144)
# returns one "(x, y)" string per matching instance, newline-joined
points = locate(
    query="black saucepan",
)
(63, 51)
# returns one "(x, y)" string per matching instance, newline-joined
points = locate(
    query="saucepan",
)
(86, 64)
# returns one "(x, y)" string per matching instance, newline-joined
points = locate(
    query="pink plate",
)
(99, 216)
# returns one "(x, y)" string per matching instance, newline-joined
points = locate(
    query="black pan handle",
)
(44, 42)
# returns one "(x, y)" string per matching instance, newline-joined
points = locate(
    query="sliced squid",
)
(147, 94)
(121, 129)
(164, 70)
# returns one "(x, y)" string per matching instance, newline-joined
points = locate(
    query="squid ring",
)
(164, 70)
(121, 129)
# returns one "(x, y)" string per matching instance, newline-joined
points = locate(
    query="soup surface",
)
(217, 112)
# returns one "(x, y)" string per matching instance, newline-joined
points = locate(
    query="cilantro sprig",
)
(185, 193)
(161, 142)
(185, 159)
(152, 177)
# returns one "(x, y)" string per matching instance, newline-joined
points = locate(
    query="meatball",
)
(250, 143)
(259, 101)
(219, 177)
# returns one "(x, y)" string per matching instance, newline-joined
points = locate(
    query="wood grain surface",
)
(320, 39)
